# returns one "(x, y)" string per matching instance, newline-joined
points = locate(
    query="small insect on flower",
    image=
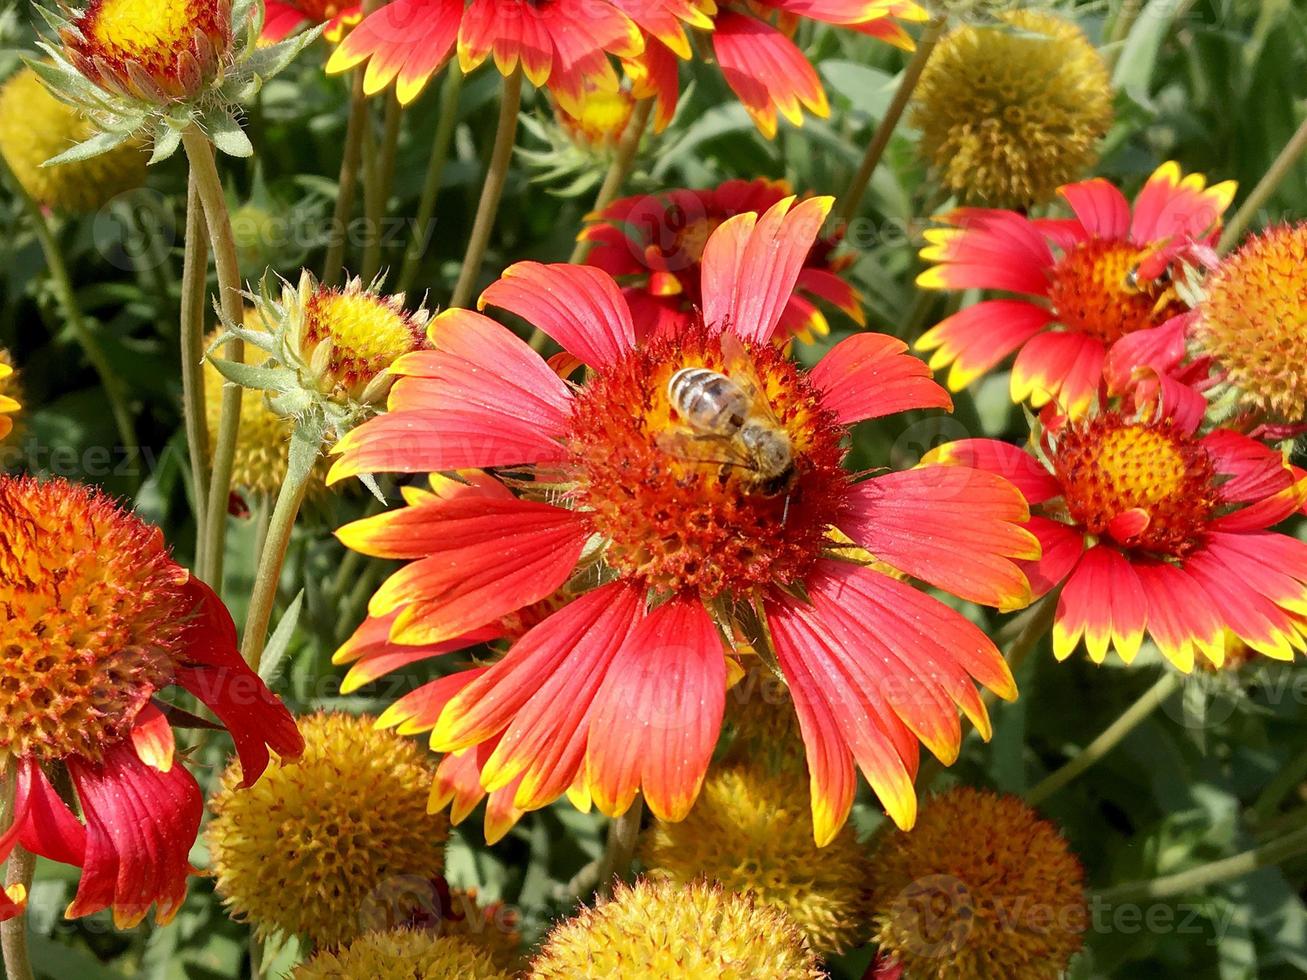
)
(689, 495)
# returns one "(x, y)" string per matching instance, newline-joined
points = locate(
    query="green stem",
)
(1034, 626)
(1270, 182)
(13, 933)
(195, 266)
(382, 177)
(1281, 849)
(623, 835)
(620, 168)
(852, 197)
(1122, 23)
(492, 191)
(304, 448)
(1281, 785)
(440, 145)
(1111, 736)
(199, 153)
(347, 186)
(114, 390)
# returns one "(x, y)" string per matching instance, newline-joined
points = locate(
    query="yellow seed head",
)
(331, 846)
(981, 887)
(751, 830)
(405, 954)
(36, 127)
(1010, 112)
(665, 931)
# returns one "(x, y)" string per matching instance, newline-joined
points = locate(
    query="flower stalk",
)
(620, 168)
(492, 191)
(1111, 736)
(1270, 182)
(13, 933)
(347, 185)
(195, 265)
(444, 137)
(199, 153)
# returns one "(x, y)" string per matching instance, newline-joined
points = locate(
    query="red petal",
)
(48, 828)
(869, 375)
(1102, 209)
(152, 738)
(1012, 463)
(578, 306)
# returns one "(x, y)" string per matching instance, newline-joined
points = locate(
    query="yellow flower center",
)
(1156, 481)
(603, 118)
(366, 334)
(1094, 291)
(92, 611)
(1254, 321)
(141, 29)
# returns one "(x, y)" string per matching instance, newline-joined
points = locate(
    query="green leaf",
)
(97, 144)
(226, 135)
(274, 654)
(256, 378)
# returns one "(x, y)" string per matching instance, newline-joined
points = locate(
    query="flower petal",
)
(868, 376)
(1012, 463)
(974, 341)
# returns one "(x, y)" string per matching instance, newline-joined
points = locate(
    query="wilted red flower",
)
(681, 541)
(1150, 527)
(98, 621)
(1084, 283)
(653, 246)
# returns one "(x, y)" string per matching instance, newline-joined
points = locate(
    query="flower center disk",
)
(93, 610)
(1094, 291)
(683, 509)
(148, 32)
(1109, 467)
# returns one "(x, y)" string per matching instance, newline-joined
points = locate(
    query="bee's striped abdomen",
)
(709, 401)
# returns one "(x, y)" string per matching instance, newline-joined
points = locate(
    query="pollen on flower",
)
(683, 511)
(36, 127)
(127, 41)
(665, 931)
(1144, 483)
(1092, 290)
(351, 336)
(93, 613)
(334, 844)
(1009, 112)
(981, 887)
(403, 954)
(751, 830)
(1254, 321)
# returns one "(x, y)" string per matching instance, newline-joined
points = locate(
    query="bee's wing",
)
(738, 366)
(697, 447)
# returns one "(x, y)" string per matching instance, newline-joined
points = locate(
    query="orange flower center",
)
(1094, 291)
(699, 488)
(92, 612)
(1143, 483)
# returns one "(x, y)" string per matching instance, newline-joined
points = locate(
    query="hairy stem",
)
(492, 191)
(852, 197)
(195, 266)
(1281, 849)
(199, 153)
(1111, 736)
(440, 145)
(1270, 182)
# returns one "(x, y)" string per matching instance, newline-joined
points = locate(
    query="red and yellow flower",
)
(1149, 527)
(283, 18)
(653, 246)
(561, 44)
(9, 404)
(675, 547)
(98, 621)
(1081, 284)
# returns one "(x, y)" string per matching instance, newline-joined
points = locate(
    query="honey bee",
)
(731, 412)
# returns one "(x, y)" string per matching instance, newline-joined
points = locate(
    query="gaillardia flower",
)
(404, 954)
(981, 888)
(284, 17)
(1152, 528)
(98, 620)
(9, 403)
(35, 126)
(325, 847)
(665, 931)
(751, 830)
(1253, 323)
(686, 492)
(1082, 284)
(653, 246)
(562, 44)
(143, 68)
(1010, 111)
